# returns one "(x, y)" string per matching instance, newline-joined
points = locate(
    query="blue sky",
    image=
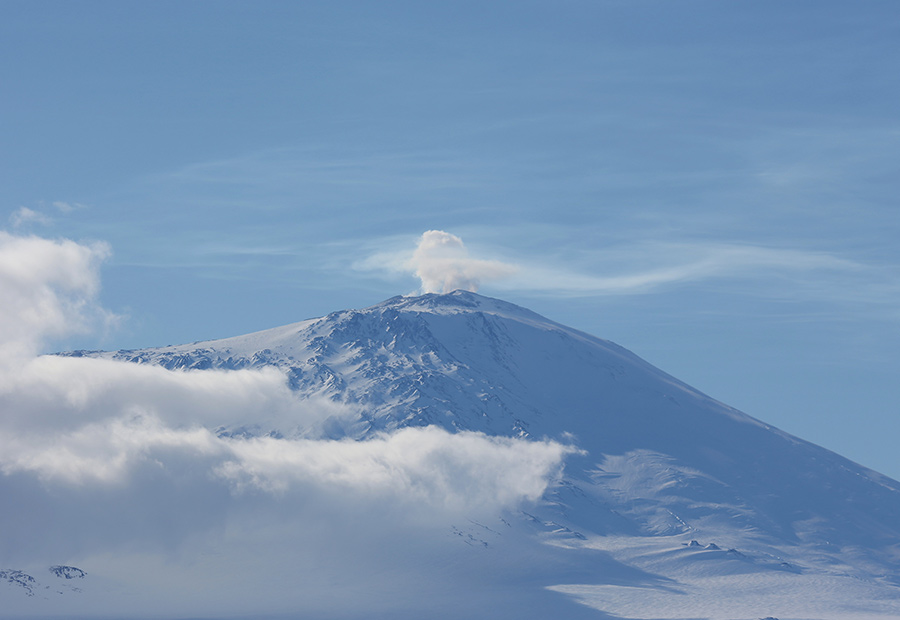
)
(710, 184)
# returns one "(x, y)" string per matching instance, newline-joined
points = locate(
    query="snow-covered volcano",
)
(467, 362)
(674, 505)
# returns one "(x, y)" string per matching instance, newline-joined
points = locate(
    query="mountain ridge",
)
(256, 349)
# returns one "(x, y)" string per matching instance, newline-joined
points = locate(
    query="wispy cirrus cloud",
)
(646, 268)
(442, 262)
(24, 216)
(67, 207)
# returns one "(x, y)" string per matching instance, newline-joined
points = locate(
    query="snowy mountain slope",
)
(669, 482)
(466, 362)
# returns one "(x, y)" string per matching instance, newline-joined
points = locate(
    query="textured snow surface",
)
(671, 504)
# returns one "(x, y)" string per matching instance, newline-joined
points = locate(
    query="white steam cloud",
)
(442, 262)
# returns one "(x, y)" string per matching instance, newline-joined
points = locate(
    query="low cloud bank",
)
(85, 422)
(457, 472)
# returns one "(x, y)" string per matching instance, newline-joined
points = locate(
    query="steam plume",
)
(442, 262)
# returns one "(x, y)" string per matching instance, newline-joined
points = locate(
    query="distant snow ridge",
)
(27, 584)
(672, 482)
(20, 579)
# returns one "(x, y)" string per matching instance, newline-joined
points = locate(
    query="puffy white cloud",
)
(49, 290)
(64, 392)
(460, 472)
(103, 451)
(82, 419)
(442, 262)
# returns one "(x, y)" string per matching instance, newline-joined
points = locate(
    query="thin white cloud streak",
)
(285, 168)
(23, 216)
(67, 207)
(661, 267)
(642, 268)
